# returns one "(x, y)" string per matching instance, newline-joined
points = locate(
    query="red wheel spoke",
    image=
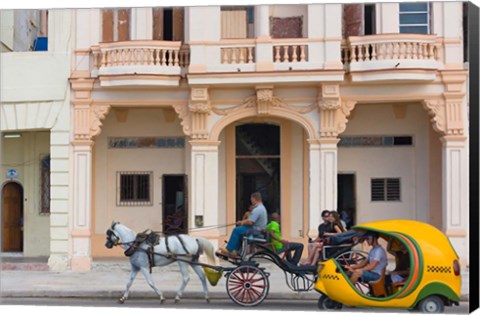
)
(236, 277)
(235, 281)
(256, 292)
(253, 275)
(258, 285)
(256, 280)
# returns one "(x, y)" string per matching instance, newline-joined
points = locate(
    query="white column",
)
(333, 34)
(316, 29)
(201, 55)
(81, 201)
(328, 173)
(204, 187)
(314, 202)
(60, 154)
(387, 18)
(455, 194)
(262, 21)
(141, 24)
(264, 47)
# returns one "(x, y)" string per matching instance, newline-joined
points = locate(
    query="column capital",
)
(204, 143)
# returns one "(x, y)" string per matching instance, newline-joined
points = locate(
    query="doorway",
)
(346, 198)
(175, 204)
(257, 152)
(12, 217)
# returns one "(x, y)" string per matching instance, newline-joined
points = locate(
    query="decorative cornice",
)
(99, 113)
(184, 115)
(436, 110)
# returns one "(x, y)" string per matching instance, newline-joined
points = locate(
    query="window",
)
(45, 185)
(415, 17)
(385, 189)
(116, 26)
(134, 189)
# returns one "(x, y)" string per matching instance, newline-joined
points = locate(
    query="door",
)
(12, 217)
(346, 198)
(175, 204)
(257, 166)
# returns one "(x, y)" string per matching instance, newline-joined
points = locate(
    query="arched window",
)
(45, 185)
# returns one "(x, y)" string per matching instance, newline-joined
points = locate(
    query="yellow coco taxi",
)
(431, 281)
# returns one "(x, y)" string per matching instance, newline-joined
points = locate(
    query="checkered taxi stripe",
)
(439, 269)
(330, 277)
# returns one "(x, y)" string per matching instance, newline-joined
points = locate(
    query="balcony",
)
(139, 63)
(410, 57)
(257, 61)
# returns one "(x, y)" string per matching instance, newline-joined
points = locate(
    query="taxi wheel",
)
(325, 303)
(431, 304)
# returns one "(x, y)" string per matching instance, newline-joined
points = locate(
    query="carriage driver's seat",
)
(377, 288)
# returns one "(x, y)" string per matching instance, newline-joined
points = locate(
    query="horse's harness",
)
(152, 239)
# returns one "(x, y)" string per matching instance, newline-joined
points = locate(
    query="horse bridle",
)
(111, 232)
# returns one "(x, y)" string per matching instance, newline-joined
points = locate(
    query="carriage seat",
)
(377, 288)
(256, 236)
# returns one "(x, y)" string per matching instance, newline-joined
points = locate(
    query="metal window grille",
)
(45, 185)
(415, 17)
(385, 189)
(134, 189)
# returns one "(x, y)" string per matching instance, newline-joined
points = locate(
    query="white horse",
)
(119, 234)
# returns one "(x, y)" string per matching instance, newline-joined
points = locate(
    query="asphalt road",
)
(70, 306)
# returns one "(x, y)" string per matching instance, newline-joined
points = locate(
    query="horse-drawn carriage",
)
(247, 283)
(434, 279)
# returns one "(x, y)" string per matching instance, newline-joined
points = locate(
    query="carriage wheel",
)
(326, 303)
(351, 257)
(247, 285)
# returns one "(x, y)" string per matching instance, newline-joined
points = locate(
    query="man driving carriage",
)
(255, 223)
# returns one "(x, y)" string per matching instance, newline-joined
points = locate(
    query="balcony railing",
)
(288, 51)
(237, 51)
(375, 52)
(140, 57)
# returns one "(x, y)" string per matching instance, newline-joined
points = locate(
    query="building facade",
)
(168, 118)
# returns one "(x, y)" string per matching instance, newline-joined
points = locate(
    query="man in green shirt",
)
(281, 245)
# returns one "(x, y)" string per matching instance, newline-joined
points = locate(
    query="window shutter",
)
(234, 23)
(378, 189)
(393, 189)
(123, 25)
(158, 23)
(178, 23)
(107, 26)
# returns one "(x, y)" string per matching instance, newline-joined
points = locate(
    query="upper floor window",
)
(115, 25)
(415, 17)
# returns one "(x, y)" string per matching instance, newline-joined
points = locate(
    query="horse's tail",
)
(207, 247)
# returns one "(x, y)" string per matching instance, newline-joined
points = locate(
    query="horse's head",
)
(112, 236)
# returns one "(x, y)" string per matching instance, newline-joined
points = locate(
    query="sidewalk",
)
(108, 279)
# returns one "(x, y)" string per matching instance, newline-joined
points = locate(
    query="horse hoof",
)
(177, 300)
(162, 300)
(121, 300)
(208, 300)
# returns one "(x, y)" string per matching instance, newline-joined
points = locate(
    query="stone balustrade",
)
(373, 48)
(237, 51)
(290, 52)
(162, 57)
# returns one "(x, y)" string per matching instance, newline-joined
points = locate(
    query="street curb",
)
(115, 294)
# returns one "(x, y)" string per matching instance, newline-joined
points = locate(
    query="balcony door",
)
(168, 24)
(175, 202)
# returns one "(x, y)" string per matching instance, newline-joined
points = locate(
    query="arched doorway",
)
(12, 217)
(257, 156)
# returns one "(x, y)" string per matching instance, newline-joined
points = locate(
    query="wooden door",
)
(12, 218)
